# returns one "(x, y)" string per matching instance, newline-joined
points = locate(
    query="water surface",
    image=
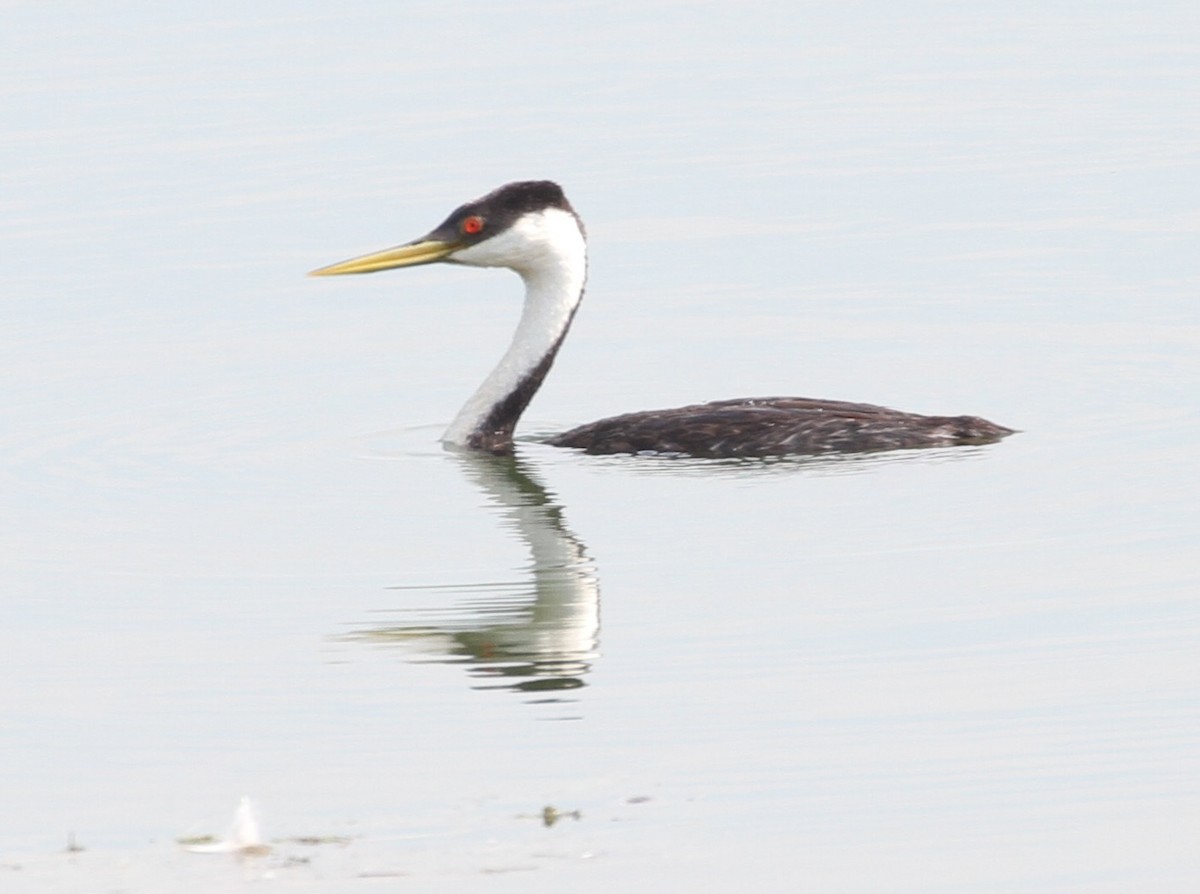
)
(236, 561)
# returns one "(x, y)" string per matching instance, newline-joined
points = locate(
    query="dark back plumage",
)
(776, 426)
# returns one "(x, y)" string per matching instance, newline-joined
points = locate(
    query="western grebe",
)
(531, 228)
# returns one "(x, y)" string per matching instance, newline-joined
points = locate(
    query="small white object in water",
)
(243, 836)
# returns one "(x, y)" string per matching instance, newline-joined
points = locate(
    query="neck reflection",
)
(536, 635)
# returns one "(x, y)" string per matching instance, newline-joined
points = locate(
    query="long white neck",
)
(549, 253)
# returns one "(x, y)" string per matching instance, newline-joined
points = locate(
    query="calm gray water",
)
(236, 561)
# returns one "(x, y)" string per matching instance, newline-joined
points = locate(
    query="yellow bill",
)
(423, 251)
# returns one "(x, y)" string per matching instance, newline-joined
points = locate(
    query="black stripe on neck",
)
(495, 433)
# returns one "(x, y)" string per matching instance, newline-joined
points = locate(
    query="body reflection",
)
(538, 634)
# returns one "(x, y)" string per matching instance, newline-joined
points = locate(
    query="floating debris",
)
(191, 840)
(315, 840)
(551, 815)
(243, 836)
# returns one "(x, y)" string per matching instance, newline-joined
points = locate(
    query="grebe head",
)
(525, 226)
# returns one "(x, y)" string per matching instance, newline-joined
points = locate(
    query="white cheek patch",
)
(493, 252)
(530, 242)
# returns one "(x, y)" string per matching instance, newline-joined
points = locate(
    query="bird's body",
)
(530, 228)
(775, 426)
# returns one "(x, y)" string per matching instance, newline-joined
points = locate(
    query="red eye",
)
(473, 225)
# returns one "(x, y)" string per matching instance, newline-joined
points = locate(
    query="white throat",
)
(548, 251)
